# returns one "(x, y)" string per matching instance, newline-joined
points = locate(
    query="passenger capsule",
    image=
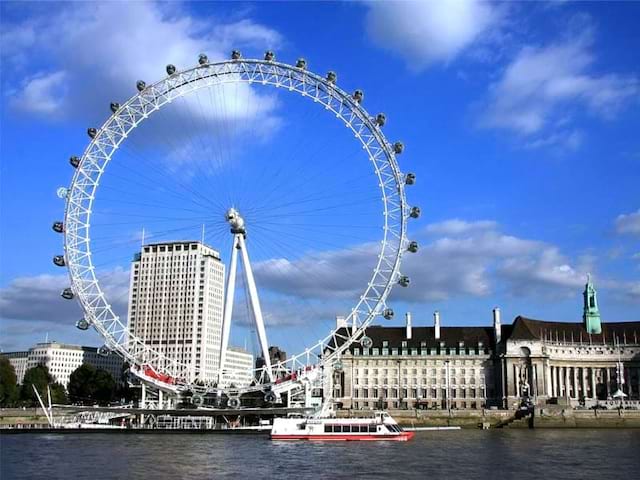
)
(75, 161)
(58, 227)
(82, 324)
(381, 119)
(270, 397)
(269, 56)
(413, 246)
(415, 212)
(338, 366)
(404, 281)
(203, 59)
(332, 77)
(197, 400)
(140, 85)
(301, 63)
(236, 55)
(366, 342)
(410, 179)
(358, 96)
(398, 148)
(67, 294)
(233, 402)
(59, 260)
(114, 107)
(62, 192)
(388, 313)
(104, 351)
(92, 132)
(171, 69)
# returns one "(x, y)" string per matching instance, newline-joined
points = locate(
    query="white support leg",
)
(255, 306)
(228, 306)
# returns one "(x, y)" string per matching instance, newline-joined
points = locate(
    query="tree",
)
(40, 377)
(58, 394)
(89, 385)
(8, 383)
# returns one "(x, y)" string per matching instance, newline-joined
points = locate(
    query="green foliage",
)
(40, 377)
(58, 394)
(89, 385)
(8, 383)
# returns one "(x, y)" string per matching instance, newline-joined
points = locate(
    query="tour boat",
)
(379, 427)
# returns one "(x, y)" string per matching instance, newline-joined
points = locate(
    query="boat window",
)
(364, 428)
(328, 429)
(372, 429)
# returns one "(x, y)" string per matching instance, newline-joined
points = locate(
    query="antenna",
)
(142, 239)
(202, 240)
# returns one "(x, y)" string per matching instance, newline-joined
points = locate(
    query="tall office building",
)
(176, 305)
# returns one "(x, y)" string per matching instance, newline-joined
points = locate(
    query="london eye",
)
(252, 157)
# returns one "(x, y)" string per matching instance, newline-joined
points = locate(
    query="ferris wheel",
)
(304, 186)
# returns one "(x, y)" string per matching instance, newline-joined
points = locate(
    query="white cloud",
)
(100, 51)
(457, 258)
(42, 94)
(540, 91)
(633, 292)
(37, 298)
(425, 32)
(628, 223)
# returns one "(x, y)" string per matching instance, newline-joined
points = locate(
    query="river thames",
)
(493, 454)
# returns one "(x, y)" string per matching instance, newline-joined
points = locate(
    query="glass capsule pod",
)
(67, 294)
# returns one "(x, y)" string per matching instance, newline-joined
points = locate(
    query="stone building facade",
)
(420, 367)
(479, 367)
(560, 362)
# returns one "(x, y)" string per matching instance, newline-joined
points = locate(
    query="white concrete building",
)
(62, 359)
(238, 371)
(19, 361)
(176, 302)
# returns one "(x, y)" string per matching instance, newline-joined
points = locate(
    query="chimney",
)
(408, 317)
(340, 322)
(496, 324)
(436, 324)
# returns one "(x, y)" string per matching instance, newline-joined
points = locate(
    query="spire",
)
(591, 314)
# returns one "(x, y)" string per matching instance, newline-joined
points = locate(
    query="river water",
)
(466, 454)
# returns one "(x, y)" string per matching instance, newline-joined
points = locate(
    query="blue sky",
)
(520, 120)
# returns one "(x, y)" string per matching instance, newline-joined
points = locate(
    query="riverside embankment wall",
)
(543, 418)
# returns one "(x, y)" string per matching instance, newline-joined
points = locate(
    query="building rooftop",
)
(425, 336)
(524, 328)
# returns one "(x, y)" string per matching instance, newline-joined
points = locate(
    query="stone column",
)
(558, 381)
(575, 382)
(516, 381)
(583, 381)
(608, 381)
(567, 382)
(549, 382)
(593, 383)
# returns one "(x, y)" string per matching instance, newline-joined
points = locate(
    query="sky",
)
(521, 122)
